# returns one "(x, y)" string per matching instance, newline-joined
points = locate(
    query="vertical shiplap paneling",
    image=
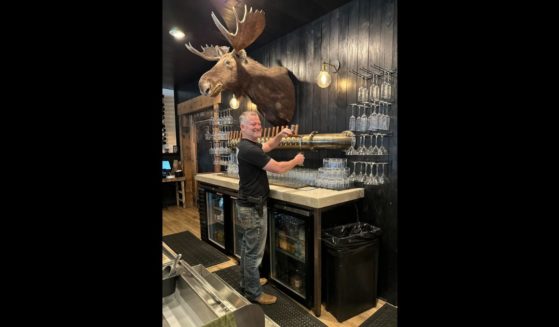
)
(344, 76)
(353, 35)
(387, 36)
(289, 48)
(394, 118)
(314, 64)
(395, 37)
(387, 32)
(324, 55)
(386, 211)
(333, 89)
(374, 32)
(363, 38)
(275, 48)
(294, 53)
(309, 44)
(299, 52)
(362, 41)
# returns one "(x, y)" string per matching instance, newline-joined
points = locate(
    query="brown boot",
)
(266, 299)
(263, 281)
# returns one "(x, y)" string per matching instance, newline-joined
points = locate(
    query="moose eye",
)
(227, 62)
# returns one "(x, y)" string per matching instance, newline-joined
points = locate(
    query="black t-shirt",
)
(253, 178)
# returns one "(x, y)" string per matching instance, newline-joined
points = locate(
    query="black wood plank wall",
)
(358, 34)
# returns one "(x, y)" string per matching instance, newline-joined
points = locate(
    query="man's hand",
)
(299, 159)
(285, 132)
(275, 141)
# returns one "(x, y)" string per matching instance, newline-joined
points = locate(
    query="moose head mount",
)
(271, 89)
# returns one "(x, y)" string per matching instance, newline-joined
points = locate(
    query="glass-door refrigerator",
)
(290, 248)
(215, 211)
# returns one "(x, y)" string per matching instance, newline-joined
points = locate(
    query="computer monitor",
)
(166, 168)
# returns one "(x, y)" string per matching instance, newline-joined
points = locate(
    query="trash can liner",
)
(350, 235)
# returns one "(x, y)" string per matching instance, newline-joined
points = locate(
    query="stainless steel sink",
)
(193, 296)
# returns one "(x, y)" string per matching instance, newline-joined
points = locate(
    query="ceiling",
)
(193, 17)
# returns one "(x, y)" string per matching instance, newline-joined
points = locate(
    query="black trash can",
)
(350, 266)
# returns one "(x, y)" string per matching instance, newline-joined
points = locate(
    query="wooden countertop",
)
(308, 196)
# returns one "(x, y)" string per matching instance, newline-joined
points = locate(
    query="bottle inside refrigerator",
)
(290, 266)
(216, 213)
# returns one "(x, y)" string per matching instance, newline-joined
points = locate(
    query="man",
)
(253, 193)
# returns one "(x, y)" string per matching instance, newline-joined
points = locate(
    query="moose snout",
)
(204, 86)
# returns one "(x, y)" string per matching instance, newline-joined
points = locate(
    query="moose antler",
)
(211, 53)
(271, 89)
(248, 29)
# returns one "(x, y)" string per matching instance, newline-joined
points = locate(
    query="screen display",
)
(166, 165)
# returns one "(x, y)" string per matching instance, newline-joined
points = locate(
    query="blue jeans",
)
(253, 243)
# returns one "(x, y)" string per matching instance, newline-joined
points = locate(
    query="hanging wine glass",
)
(386, 88)
(389, 87)
(358, 120)
(362, 149)
(366, 120)
(383, 179)
(351, 150)
(352, 176)
(365, 90)
(363, 125)
(385, 175)
(352, 118)
(369, 180)
(360, 177)
(382, 149)
(370, 148)
(387, 117)
(362, 91)
(375, 88)
(371, 124)
(375, 149)
(375, 179)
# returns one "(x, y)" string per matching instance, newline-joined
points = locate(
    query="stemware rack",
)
(219, 136)
(378, 97)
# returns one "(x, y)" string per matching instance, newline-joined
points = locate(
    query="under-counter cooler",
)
(290, 232)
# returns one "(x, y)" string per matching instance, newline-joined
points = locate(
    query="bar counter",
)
(311, 197)
(316, 199)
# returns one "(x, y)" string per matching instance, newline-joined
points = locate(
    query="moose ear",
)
(223, 50)
(242, 55)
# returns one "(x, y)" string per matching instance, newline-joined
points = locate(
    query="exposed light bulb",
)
(234, 102)
(176, 33)
(323, 79)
